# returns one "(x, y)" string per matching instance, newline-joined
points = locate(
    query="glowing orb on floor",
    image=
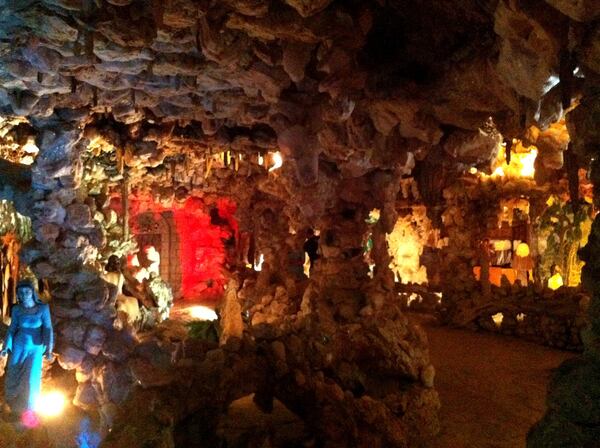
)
(202, 313)
(51, 404)
(29, 419)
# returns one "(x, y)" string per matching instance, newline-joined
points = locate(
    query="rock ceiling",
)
(362, 84)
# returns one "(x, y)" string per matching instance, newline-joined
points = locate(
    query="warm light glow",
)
(522, 160)
(277, 161)
(51, 404)
(374, 216)
(473, 170)
(521, 317)
(261, 159)
(405, 246)
(501, 245)
(498, 318)
(414, 297)
(522, 250)
(200, 312)
(555, 282)
(258, 264)
(306, 265)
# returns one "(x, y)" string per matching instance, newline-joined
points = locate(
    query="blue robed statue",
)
(29, 338)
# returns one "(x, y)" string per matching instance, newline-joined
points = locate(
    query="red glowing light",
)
(204, 241)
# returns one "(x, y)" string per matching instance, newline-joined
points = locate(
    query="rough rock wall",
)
(354, 82)
(336, 351)
(64, 252)
(573, 401)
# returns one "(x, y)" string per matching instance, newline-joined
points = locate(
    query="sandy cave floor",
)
(492, 387)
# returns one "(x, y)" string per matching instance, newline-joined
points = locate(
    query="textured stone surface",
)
(192, 98)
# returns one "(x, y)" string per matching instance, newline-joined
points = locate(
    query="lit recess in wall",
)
(258, 264)
(277, 161)
(202, 313)
(498, 318)
(31, 150)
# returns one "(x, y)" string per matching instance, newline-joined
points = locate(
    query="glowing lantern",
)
(522, 250)
(51, 404)
(555, 282)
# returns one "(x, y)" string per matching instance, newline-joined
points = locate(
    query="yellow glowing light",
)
(200, 312)
(498, 318)
(306, 265)
(414, 297)
(277, 161)
(473, 170)
(522, 162)
(405, 246)
(522, 250)
(51, 404)
(261, 159)
(374, 215)
(501, 245)
(521, 317)
(555, 282)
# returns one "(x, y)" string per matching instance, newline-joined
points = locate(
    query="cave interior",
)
(260, 200)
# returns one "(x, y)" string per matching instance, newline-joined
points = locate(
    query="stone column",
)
(341, 271)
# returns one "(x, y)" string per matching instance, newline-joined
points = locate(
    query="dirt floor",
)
(492, 387)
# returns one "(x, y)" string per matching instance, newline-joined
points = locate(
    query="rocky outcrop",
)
(300, 67)
(332, 377)
(572, 417)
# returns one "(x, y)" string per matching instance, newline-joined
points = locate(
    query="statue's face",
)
(25, 296)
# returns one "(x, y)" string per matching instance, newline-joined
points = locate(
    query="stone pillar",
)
(341, 271)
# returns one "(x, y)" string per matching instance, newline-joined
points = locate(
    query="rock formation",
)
(163, 101)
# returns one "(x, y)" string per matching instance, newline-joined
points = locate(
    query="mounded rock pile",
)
(365, 383)
(553, 318)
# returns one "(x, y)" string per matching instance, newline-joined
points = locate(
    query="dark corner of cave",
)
(299, 223)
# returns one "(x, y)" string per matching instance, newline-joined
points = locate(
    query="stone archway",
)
(158, 229)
